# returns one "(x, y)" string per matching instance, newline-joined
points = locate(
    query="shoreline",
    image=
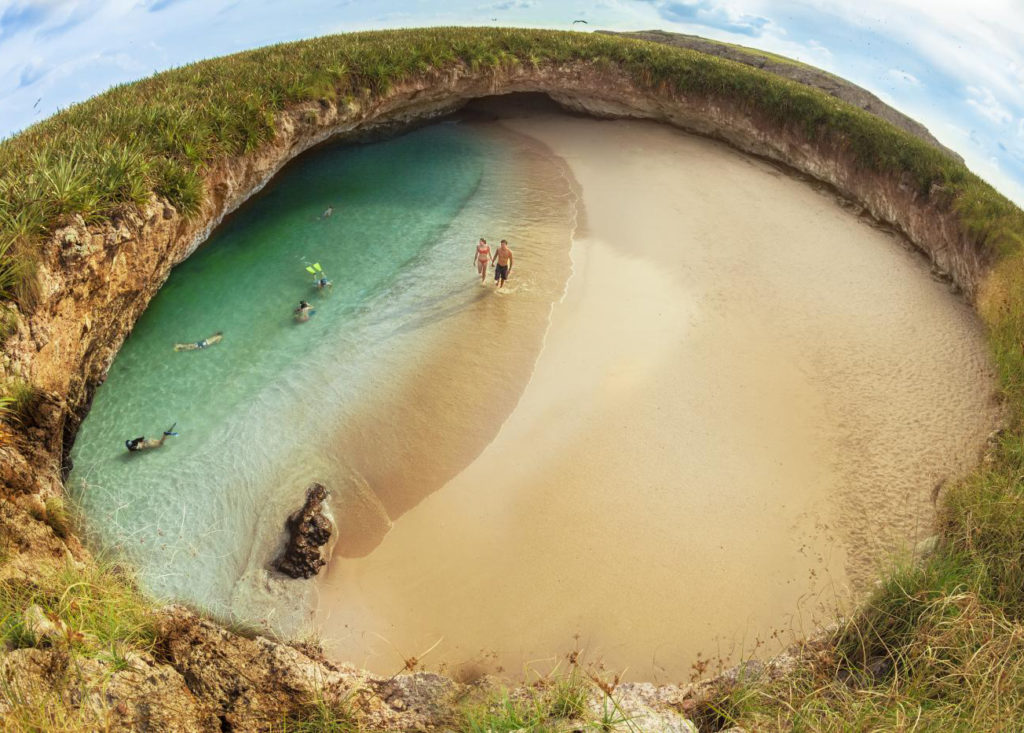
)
(498, 506)
(387, 453)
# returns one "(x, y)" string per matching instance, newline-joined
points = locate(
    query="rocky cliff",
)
(95, 281)
(796, 71)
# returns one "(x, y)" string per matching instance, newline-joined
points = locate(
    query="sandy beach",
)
(742, 404)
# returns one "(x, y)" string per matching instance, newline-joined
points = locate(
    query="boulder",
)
(309, 529)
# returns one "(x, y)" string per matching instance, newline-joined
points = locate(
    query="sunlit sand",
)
(742, 405)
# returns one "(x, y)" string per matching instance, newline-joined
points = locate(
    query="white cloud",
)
(904, 76)
(513, 5)
(985, 102)
(952, 65)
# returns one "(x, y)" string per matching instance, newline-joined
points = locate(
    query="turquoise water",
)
(259, 414)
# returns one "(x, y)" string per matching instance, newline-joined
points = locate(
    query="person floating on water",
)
(483, 254)
(208, 341)
(140, 444)
(327, 212)
(505, 260)
(303, 312)
(320, 282)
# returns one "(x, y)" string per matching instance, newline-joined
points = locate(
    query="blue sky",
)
(958, 67)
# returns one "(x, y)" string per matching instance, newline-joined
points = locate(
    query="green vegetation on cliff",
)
(940, 645)
(160, 133)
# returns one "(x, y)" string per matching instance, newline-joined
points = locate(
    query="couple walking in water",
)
(503, 257)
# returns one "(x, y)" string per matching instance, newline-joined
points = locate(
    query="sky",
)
(956, 66)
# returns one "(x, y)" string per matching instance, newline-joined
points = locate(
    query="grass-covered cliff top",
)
(941, 643)
(158, 134)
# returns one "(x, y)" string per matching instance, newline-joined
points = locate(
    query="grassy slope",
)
(941, 628)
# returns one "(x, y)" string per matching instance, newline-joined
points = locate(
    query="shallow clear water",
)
(265, 411)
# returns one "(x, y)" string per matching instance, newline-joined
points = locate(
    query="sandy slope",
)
(743, 402)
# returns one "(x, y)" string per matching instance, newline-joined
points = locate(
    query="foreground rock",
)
(309, 529)
(202, 677)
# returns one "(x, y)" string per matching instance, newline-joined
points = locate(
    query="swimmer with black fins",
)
(208, 341)
(136, 445)
(303, 312)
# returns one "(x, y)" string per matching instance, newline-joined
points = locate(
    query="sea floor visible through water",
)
(709, 404)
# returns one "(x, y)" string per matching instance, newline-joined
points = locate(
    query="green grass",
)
(559, 701)
(321, 716)
(160, 134)
(17, 399)
(94, 612)
(98, 608)
(507, 714)
(959, 666)
(34, 711)
(8, 322)
(57, 516)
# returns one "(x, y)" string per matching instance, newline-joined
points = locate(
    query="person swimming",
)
(327, 212)
(320, 282)
(208, 341)
(140, 444)
(303, 312)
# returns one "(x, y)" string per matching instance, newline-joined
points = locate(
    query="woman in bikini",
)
(482, 258)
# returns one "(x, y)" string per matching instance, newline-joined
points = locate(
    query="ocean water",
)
(342, 398)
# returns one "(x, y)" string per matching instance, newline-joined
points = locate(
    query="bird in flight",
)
(580, 21)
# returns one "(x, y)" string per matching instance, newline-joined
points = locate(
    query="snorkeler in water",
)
(320, 282)
(303, 312)
(140, 444)
(208, 341)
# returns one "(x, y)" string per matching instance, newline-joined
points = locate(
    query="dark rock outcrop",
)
(309, 530)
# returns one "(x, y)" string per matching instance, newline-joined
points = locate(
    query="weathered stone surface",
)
(252, 683)
(148, 696)
(650, 708)
(309, 529)
(88, 694)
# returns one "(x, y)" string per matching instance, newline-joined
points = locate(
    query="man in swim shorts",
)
(140, 444)
(208, 341)
(504, 259)
(483, 254)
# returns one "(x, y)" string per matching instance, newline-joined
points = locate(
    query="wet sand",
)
(742, 404)
(440, 389)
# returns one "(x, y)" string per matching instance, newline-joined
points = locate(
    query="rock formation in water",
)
(309, 529)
